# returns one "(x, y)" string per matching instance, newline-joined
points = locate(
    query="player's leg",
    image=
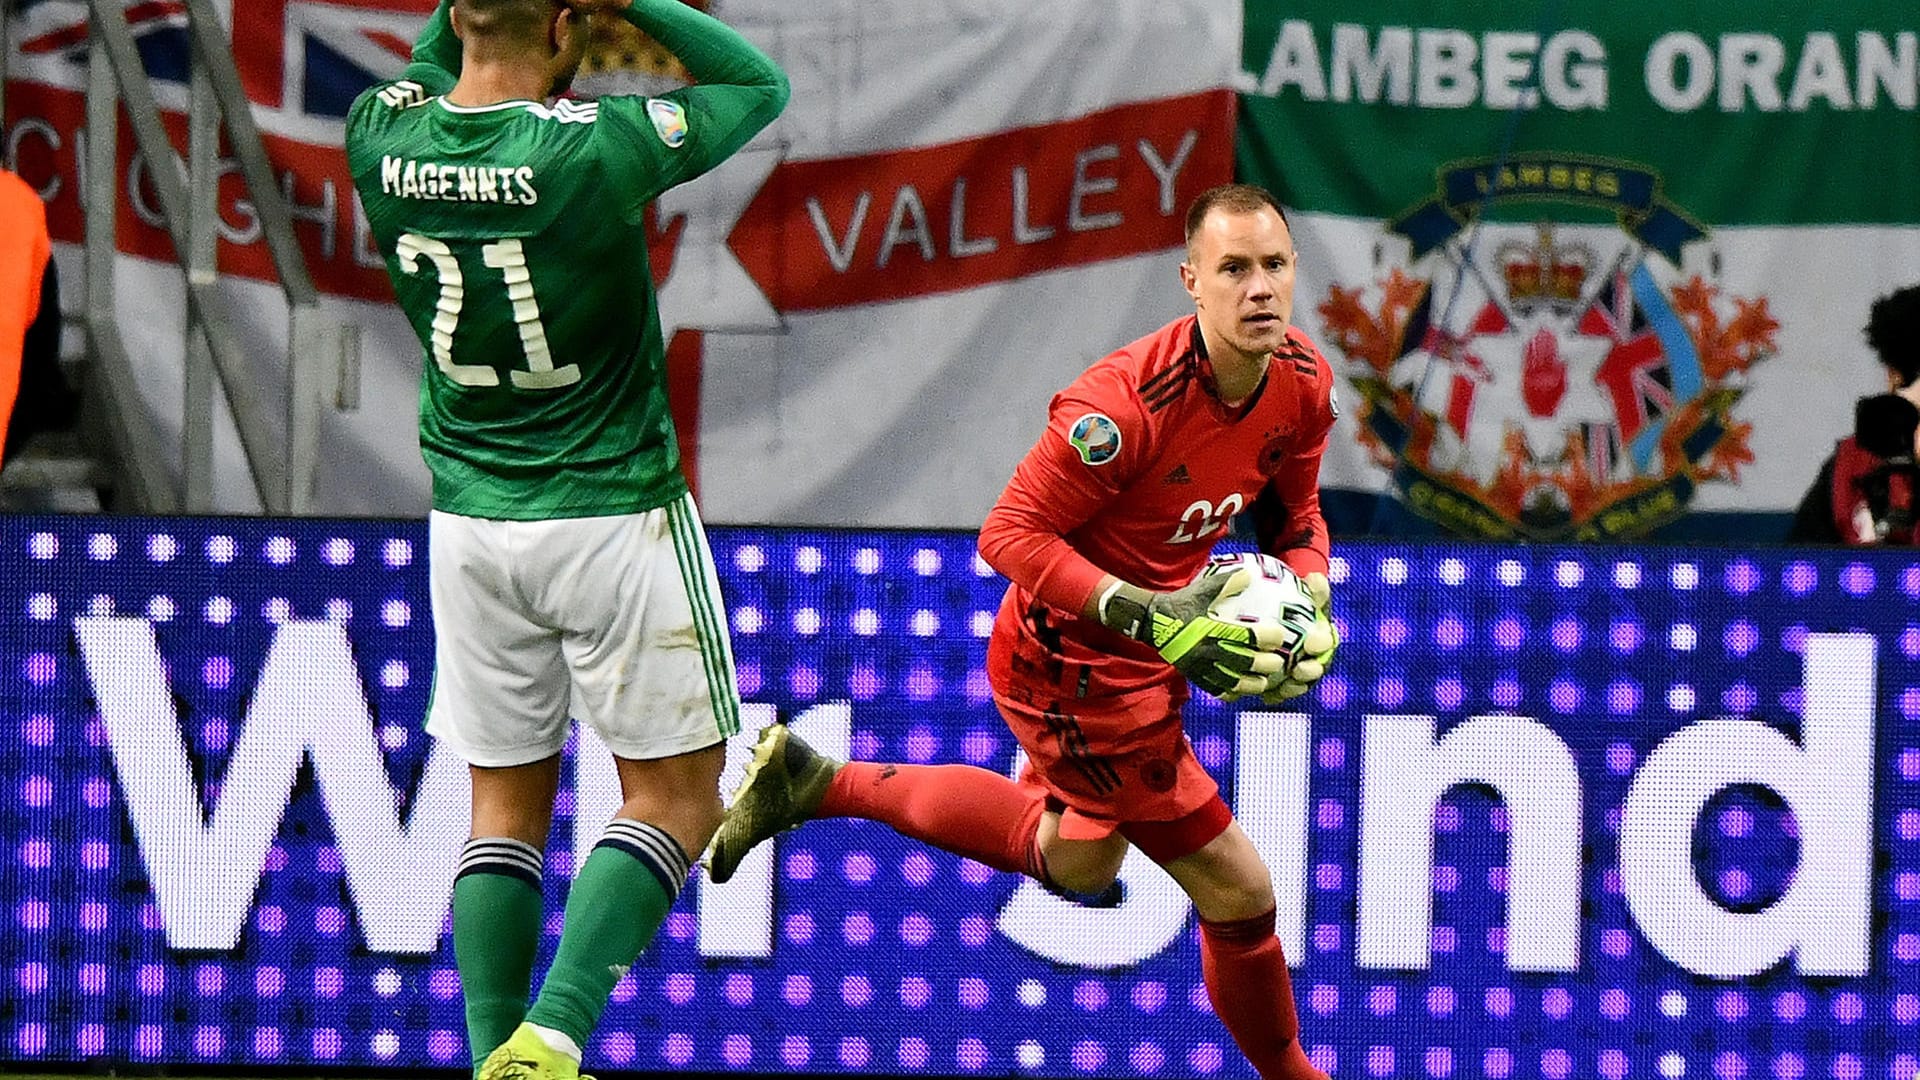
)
(497, 898)
(964, 809)
(624, 888)
(499, 702)
(1240, 957)
(644, 636)
(1082, 869)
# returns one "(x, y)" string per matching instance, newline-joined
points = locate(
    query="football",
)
(1278, 596)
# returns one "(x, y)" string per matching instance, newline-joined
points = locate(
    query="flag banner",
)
(1588, 271)
(866, 309)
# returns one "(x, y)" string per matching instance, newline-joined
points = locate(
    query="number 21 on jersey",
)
(508, 257)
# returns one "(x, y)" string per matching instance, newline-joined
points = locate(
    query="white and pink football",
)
(1277, 596)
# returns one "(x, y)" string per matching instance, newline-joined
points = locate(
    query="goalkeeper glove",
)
(1219, 657)
(1321, 642)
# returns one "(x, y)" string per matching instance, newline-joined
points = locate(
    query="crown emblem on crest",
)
(1545, 272)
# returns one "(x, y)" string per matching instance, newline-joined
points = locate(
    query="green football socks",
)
(496, 931)
(618, 900)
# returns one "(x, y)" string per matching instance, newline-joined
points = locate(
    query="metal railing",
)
(322, 355)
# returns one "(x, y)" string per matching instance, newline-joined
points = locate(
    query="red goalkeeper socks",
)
(959, 808)
(1252, 994)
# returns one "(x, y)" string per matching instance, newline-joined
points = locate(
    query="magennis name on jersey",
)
(410, 179)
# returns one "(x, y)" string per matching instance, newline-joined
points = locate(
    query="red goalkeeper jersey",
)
(1139, 474)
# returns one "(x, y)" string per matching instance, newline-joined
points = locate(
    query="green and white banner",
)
(1586, 270)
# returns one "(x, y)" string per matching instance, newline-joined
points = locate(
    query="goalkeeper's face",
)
(1239, 271)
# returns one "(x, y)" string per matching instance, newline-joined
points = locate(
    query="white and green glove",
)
(1222, 658)
(1322, 641)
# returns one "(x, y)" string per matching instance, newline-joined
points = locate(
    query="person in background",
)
(1864, 493)
(34, 395)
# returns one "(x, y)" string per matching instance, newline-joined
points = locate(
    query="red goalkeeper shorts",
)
(1112, 762)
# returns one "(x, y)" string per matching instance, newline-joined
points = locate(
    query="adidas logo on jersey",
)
(1179, 475)
(568, 111)
(403, 94)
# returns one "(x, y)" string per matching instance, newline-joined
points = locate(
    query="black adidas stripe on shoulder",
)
(1304, 362)
(1168, 391)
(1165, 376)
(1164, 387)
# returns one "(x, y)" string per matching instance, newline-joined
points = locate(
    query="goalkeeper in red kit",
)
(1102, 532)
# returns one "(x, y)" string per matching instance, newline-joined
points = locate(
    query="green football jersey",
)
(513, 234)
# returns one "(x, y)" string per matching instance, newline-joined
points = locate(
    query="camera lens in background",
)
(1884, 425)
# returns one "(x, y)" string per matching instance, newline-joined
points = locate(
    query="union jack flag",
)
(1653, 367)
(298, 57)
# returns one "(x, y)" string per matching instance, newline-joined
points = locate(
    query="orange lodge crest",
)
(1549, 381)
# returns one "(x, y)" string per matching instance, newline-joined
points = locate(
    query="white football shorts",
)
(616, 621)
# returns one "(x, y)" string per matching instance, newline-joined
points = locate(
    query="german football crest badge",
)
(1549, 379)
(1096, 438)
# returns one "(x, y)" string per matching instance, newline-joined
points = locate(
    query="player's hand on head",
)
(584, 22)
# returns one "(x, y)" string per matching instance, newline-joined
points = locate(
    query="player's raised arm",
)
(435, 62)
(433, 69)
(738, 90)
(714, 53)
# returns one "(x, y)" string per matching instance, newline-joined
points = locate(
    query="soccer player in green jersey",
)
(569, 573)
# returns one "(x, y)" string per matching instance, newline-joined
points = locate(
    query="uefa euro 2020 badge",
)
(1096, 438)
(669, 120)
